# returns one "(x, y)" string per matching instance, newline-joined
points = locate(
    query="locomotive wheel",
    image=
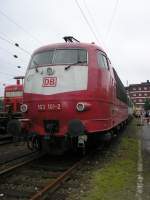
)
(29, 143)
(36, 143)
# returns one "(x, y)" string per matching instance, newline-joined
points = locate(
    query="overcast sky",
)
(121, 28)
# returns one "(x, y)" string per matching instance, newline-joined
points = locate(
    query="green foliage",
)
(147, 104)
(1, 105)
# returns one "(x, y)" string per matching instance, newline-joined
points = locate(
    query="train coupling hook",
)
(82, 139)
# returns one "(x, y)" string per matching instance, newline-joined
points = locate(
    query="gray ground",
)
(145, 139)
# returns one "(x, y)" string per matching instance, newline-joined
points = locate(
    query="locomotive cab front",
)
(56, 86)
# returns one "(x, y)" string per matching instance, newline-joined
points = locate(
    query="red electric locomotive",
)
(13, 99)
(72, 95)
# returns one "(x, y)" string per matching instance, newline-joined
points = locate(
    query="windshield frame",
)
(52, 64)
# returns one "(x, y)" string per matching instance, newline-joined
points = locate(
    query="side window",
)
(102, 60)
(105, 62)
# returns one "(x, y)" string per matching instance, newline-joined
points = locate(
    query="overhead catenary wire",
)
(3, 49)
(24, 50)
(4, 34)
(92, 19)
(108, 31)
(6, 74)
(20, 27)
(6, 40)
(87, 21)
(9, 64)
(12, 55)
(15, 44)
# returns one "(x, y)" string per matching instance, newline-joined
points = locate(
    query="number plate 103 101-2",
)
(49, 107)
(54, 106)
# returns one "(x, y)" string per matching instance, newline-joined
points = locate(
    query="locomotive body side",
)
(13, 98)
(74, 97)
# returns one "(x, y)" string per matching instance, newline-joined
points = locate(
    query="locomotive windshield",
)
(14, 94)
(59, 57)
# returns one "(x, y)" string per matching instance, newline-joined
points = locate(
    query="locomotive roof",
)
(14, 87)
(87, 46)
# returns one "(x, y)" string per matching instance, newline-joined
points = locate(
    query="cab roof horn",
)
(70, 39)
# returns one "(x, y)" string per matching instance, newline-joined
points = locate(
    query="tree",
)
(1, 105)
(147, 104)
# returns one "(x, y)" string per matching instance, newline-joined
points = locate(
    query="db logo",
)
(49, 82)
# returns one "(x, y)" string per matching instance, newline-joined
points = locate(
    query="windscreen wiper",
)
(36, 65)
(66, 68)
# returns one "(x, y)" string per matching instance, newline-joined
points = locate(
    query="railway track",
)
(32, 178)
(39, 178)
(5, 139)
(13, 151)
(12, 160)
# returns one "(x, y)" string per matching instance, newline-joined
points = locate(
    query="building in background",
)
(139, 93)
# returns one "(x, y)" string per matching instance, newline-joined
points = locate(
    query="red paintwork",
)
(105, 110)
(15, 102)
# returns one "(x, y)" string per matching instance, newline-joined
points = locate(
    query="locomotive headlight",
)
(24, 108)
(82, 106)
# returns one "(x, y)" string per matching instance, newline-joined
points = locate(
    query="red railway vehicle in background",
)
(12, 101)
(13, 96)
(72, 96)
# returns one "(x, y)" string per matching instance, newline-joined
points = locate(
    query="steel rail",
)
(17, 158)
(52, 186)
(4, 142)
(9, 169)
(5, 139)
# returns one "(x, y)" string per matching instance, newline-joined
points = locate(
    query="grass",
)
(117, 179)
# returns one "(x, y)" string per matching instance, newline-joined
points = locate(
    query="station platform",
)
(142, 121)
(143, 185)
